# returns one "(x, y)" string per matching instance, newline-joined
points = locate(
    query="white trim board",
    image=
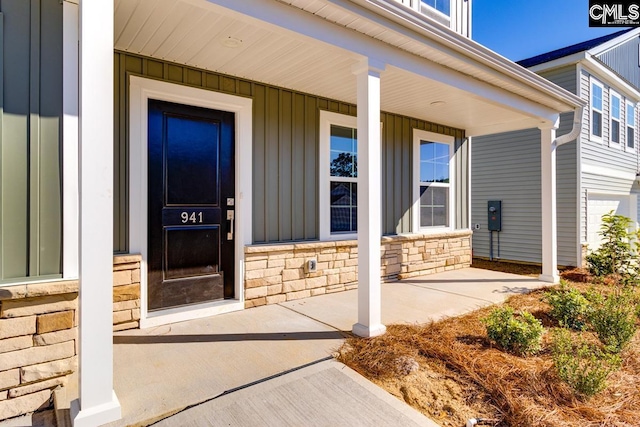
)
(605, 171)
(328, 118)
(610, 78)
(141, 90)
(70, 134)
(621, 39)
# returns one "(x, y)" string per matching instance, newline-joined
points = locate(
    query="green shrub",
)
(583, 366)
(614, 256)
(520, 334)
(613, 318)
(568, 306)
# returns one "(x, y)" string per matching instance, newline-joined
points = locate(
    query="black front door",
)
(190, 205)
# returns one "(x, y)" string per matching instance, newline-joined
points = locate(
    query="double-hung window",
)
(631, 126)
(433, 181)
(616, 115)
(596, 110)
(338, 176)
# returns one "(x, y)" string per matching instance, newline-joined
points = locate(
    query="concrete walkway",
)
(272, 365)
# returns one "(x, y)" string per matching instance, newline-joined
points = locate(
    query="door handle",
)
(230, 217)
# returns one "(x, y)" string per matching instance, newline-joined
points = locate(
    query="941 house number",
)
(193, 217)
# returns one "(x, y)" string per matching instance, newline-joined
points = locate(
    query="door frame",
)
(140, 91)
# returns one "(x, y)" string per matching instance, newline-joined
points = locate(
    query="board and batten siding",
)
(285, 153)
(507, 167)
(624, 59)
(601, 155)
(30, 135)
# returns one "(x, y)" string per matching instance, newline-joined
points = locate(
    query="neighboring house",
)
(164, 160)
(597, 173)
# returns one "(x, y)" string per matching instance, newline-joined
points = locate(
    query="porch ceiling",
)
(193, 32)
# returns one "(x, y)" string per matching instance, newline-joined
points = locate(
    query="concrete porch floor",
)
(270, 365)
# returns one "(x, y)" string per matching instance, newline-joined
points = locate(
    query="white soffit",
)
(192, 33)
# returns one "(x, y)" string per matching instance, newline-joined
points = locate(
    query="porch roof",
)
(312, 46)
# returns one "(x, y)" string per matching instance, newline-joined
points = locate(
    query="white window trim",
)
(593, 137)
(70, 143)
(626, 126)
(418, 136)
(328, 118)
(141, 90)
(614, 94)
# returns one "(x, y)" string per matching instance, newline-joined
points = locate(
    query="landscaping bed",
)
(451, 371)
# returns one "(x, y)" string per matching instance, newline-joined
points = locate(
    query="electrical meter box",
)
(494, 208)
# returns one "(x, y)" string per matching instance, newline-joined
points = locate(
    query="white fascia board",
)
(416, 22)
(293, 19)
(600, 49)
(604, 74)
(558, 63)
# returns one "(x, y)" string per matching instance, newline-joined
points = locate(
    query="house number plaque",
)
(193, 218)
(181, 216)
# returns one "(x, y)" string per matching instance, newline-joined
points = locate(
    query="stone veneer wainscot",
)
(277, 273)
(39, 334)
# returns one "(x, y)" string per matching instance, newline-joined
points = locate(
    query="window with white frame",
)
(338, 176)
(615, 110)
(631, 126)
(433, 180)
(596, 109)
(442, 6)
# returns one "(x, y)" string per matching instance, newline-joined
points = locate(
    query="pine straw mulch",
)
(449, 371)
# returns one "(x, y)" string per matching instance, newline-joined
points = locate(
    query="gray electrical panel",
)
(494, 208)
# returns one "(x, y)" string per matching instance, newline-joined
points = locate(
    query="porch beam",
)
(548, 203)
(97, 403)
(369, 200)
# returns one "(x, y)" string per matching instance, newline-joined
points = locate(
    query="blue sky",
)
(520, 29)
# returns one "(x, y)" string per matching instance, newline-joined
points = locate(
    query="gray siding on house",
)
(623, 59)
(285, 157)
(506, 167)
(30, 135)
(601, 155)
(565, 77)
(566, 175)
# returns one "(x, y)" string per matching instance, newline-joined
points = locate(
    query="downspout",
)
(574, 134)
(575, 131)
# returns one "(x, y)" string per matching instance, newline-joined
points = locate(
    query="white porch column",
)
(369, 207)
(548, 201)
(98, 403)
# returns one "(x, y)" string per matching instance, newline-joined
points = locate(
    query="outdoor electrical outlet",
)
(312, 265)
(476, 226)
